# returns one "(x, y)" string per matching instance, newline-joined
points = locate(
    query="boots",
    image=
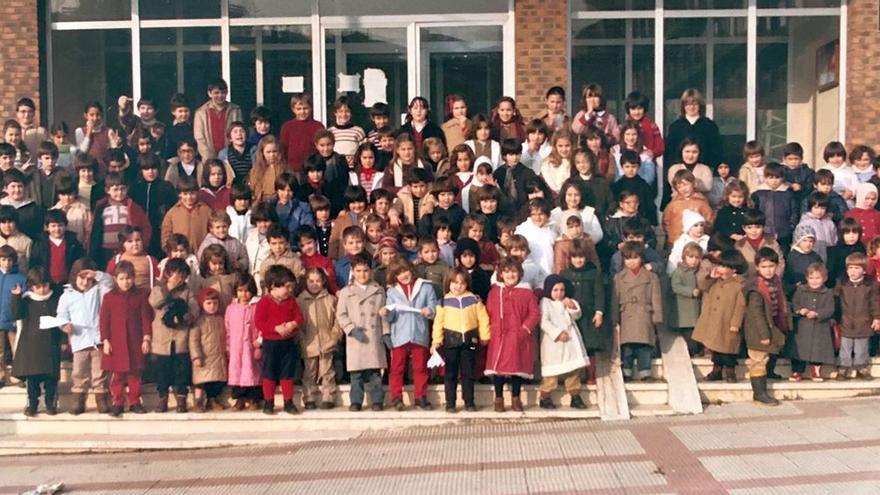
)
(198, 404)
(516, 404)
(103, 403)
(715, 374)
(79, 404)
(181, 403)
(759, 392)
(577, 402)
(730, 375)
(499, 404)
(162, 405)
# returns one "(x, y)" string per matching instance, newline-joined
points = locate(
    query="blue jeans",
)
(373, 382)
(640, 353)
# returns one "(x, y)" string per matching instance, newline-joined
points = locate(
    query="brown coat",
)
(859, 306)
(162, 335)
(262, 182)
(562, 248)
(207, 341)
(672, 215)
(749, 253)
(724, 306)
(759, 323)
(637, 306)
(191, 223)
(289, 259)
(359, 308)
(405, 207)
(321, 333)
(343, 221)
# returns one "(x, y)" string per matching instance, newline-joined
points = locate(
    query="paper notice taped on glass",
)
(348, 83)
(375, 85)
(292, 84)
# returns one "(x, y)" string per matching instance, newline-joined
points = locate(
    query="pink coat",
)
(512, 347)
(241, 332)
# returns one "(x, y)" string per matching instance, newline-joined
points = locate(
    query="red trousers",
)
(419, 357)
(118, 381)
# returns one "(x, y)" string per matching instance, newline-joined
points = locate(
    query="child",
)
(720, 181)
(189, 216)
(307, 240)
(126, 338)
(596, 187)
(562, 352)
(683, 281)
(175, 308)
(573, 203)
(214, 192)
(557, 167)
(774, 198)
(418, 124)
(412, 200)
(32, 134)
(242, 341)
(685, 198)
(218, 227)
(208, 351)
(694, 232)
(722, 312)
(444, 207)
(411, 304)
(436, 157)
(798, 175)
(347, 136)
(507, 121)
(859, 318)
(30, 216)
(844, 177)
(213, 118)
(574, 231)
(44, 181)
(93, 138)
(405, 159)
(10, 236)
(238, 155)
(267, 168)
(588, 290)
(513, 316)
(755, 239)
(593, 114)
(751, 173)
(178, 247)
(636, 229)
(729, 221)
(131, 123)
(536, 147)
(280, 253)
(154, 195)
(9, 277)
(185, 166)
(631, 181)
(539, 234)
(353, 239)
(79, 217)
(627, 210)
(354, 213)
(380, 116)
(765, 324)
(216, 270)
(474, 227)
(323, 225)
(387, 251)
(479, 140)
(865, 213)
(631, 140)
(848, 242)
(690, 161)
(37, 359)
(799, 258)
(861, 159)
(87, 188)
(637, 307)
(511, 179)
(12, 135)
(112, 214)
(430, 267)
(837, 206)
(481, 184)
(367, 334)
(297, 134)
(636, 106)
(240, 211)
(261, 125)
(278, 318)
(813, 309)
(319, 337)
(57, 248)
(366, 169)
(457, 122)
(181, 127)
(444, 242)
(487, 207)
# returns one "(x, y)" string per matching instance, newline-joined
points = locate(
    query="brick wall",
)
(19, 55)
(541, 51)
(863, 76)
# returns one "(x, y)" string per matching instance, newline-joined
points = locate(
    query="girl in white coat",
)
(562, 351)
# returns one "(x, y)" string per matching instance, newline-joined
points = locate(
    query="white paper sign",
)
(402, 308)
(47, 322)
(292, 84)
(375, 85)
(348, 83)
(436, 360)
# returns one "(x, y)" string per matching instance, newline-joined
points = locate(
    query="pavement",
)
(800, 447)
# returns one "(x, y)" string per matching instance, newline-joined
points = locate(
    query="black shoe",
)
(715, 375)
(327, 405)
(423, 404)
(310, 406)
(398, 404)
(289, 408)
(377, 407)
(774, 376)
(51, 410)
(546, 403)
(137, 408)
(355, 407)
(470, 408)
(577, 402)
(268, 407)
(30, 411)
(116, 411)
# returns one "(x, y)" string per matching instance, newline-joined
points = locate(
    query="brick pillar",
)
(20, 54)
(862, 76)
(541, 51)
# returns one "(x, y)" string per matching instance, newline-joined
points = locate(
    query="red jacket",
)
(125, 318)
(514, 315)
(651, 137)
(870, 222)
(270, 313)
(324, 263)
(297, 141)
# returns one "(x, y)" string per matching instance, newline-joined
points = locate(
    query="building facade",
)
(772, 70)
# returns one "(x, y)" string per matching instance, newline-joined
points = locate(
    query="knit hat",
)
(689, 218)
(467, 245)
(207, 293)
(386, 242)
(862, 191)
(802, 232)
(554, 279)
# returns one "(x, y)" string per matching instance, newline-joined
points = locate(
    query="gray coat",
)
(359, 308)
(812, 340)
(637, 306)
(686, 308)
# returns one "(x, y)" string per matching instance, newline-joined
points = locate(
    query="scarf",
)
(771, 291)
(408, 288)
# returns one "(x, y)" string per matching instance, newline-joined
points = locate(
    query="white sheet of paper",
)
(375, 85)
(47, 322)
(404, 309)
(436, 360)
(348, 83)
(293, 84)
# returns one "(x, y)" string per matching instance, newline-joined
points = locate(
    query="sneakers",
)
(796, 377)
(816, 373)
(352, 408)
(289, 408)
(423, 404)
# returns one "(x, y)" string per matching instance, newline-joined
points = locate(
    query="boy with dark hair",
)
(765, 324)
(755, 239)
(512, 176)
(30, 216)
(380, 116)
(261, 125)
(823, 181)
(632, 181)
(189, 216)
(297, 134)
(155, 195)
(44, 180)
(10, 277)
(636, 230)
(57, 248)
(335, 172)
(7, 157)
(445, 207)
(12, 237)
(413, 200)
(849, 241)
(797, 174)
(280, 253)
(490, 199)
(292, 213)
(323, 224)
(353, 241)
(213, 118)
(409, 242)
(132, 124)
(777, 201)
(181, 127)
(32, 134)
(385, 147)
(636, 105)
(430, 267)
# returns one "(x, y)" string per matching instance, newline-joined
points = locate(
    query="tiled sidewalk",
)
(798, 448)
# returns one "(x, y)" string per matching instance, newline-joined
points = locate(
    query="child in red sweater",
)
(277, 316)
(307, 240)
(297, 134)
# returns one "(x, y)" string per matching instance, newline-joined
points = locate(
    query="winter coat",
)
(321, 332)
(723, 308)
(637, 306)
(812, 341)
(83, 311)
(837, 260)
(521, 174)
(672, 215)
(238, 255)
(748, 252)
(870, 222)
(292, 216)
(859, 306)
(730, 221)
(9, 281)
(597, 193)
(241, 333)
(704, 131)
(540, 243)
(750, 177)
(675, 254)
(79, 219)
(343, 221)
(38, 351)
(202, 127)
(837, 206)
(136, 217)
(405, 206)
(257, 247)
(288, 259)
(191, 222)
(803, 176)
(126, 317)
(557, 357)
(436, 273)
(224, 284)
(407, 326)
(207, 341)
(779, 206)
(758, 324)
(562, 250)
(460, 320)
(686, 310)
(143, 280)
(513, 316)
(164, 336)
(40, 252)
(592, 227)
(796, 269)
(241, 224)
(358, 307)
(588, 287)
(454, 216)
(702, 174)
(826, 232)
(215, 199)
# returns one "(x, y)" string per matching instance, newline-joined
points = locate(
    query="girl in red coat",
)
(865, 212)
(126, 331)
(277, 318)
(514, 315)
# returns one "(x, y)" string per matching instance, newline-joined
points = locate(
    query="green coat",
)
(758, 324)
(589, 292)
(686, 309)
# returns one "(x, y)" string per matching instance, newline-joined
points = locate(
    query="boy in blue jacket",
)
(9, 279)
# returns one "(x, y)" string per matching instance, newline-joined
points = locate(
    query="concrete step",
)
(720, 392)
(703, 366)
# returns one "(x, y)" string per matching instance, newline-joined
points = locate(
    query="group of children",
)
(212, 253)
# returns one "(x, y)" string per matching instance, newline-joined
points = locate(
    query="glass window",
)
(90, 10)
(179, 9)
(350, 51)
(579, 5)
(454, 58)
(704, 4)
(411, 7)
(107, 54)
(790, 95)
(790, 4)
(709, 55)
(269, 8)
(178, 60)
(617, 54)
(282, 51)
